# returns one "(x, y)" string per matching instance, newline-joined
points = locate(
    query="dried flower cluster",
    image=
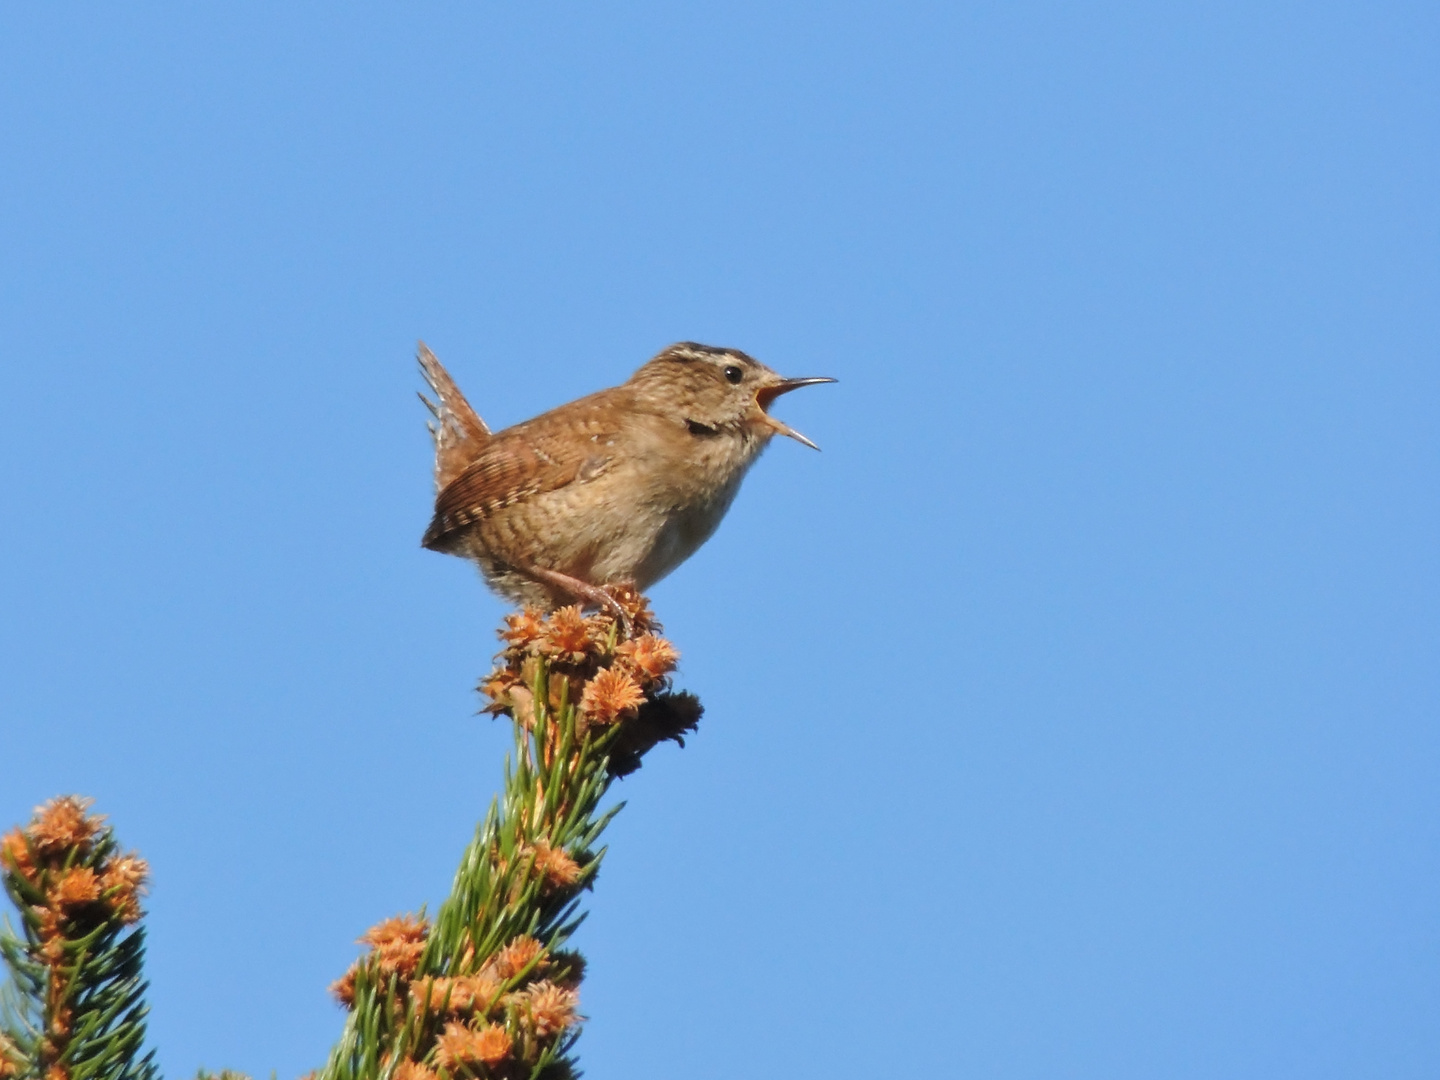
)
(395, 948)
(496, 1021)
(624, 684)
(74, 893)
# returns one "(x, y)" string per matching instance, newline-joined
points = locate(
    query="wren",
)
(619, 487)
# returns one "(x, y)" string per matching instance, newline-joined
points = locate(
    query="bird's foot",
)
(615, 599)
(636, 618)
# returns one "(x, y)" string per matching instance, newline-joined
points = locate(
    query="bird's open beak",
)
(766, 394)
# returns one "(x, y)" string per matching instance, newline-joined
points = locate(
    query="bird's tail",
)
(458, 431)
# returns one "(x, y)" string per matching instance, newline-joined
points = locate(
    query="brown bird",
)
(619, 487)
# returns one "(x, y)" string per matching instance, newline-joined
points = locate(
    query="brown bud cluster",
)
(494, 1022)
(59, 859)
(576, 650)
(462, 1046)
(461, 995)
(613, 681)
(414, 1070)
(556, 866)
(395, 947)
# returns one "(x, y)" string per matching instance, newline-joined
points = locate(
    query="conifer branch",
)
(74, 1008)
(490, 989)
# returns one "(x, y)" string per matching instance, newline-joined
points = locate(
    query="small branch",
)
(490, 989)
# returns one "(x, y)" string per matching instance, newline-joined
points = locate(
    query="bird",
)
(614, 489)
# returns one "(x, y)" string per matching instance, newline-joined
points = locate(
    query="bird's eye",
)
(734, 374)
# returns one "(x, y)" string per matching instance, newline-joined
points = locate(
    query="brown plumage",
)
(617, 487)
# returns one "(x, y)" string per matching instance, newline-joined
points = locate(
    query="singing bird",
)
(619, 487)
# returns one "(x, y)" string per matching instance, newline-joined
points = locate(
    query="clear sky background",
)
(1073, 714)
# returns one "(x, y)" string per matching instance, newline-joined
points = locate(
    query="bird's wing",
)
(573, 444)
(460, 435)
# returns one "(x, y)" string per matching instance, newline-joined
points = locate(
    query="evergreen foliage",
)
(74, 1008)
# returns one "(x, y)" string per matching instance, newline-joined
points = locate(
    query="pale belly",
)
(679, 533)
(609, 532)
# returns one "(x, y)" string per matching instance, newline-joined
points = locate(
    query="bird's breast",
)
(688, 484)
(680, 531)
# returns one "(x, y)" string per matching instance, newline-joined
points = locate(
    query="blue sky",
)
(1073, 714)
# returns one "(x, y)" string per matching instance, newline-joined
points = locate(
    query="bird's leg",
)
(583, 590)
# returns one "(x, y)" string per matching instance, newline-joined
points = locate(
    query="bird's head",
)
(716, 391)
